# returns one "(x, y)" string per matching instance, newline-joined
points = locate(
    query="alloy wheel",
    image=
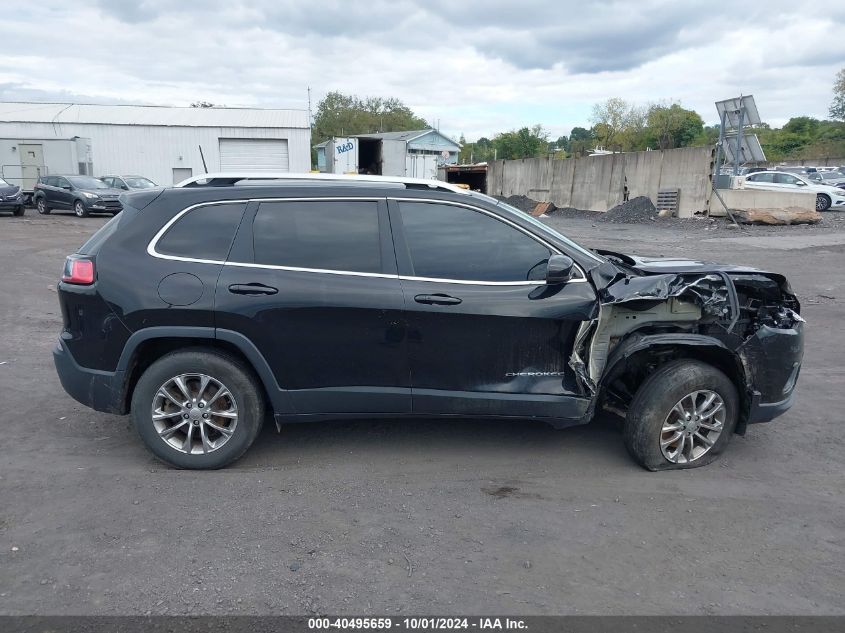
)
(693, 426)
(194, 413)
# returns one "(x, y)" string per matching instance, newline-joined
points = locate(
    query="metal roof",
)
(408, 135)
(22, 112)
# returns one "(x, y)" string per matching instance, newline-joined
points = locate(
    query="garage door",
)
(253, 154)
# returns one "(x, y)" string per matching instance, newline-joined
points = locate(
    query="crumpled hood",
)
(8, 190)
(661, 265)
(624, 278)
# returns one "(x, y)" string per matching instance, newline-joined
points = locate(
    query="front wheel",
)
(197, 409)
(19, 210)
(80, 209)
(41, 206)
(682, 416)
(823, 202)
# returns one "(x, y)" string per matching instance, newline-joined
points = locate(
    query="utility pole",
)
(310, 124)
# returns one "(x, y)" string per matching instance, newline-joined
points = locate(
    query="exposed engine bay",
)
(651, 310)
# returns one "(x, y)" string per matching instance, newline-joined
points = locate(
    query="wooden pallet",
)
(668, 199)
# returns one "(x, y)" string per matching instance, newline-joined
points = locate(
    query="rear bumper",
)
(99, 390)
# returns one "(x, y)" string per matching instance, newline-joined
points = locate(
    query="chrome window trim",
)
(151, 247)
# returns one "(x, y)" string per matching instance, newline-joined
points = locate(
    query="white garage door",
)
(254, 154)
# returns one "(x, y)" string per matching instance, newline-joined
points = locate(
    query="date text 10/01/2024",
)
(417, 623)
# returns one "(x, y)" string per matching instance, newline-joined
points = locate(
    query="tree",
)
(522, 143)
(202, 104)
(673, 126)
(561, 144)
(341, 115)
(580, 139)
(611, 118)
(837, 108)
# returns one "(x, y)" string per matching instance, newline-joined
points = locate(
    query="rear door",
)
(312, 283)
(486, 335)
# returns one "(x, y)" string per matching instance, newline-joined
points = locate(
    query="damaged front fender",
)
(741, 320)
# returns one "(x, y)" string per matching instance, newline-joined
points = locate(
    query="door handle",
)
(252, 289)
(438, 300)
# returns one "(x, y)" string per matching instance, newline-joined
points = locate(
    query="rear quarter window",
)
(204, 233)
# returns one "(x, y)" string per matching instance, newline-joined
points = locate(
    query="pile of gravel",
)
(639, 210)
(523, 203)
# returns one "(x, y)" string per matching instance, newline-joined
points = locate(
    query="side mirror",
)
(559, 269)
(801, 183)
(67, 187)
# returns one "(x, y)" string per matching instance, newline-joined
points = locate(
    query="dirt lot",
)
(422, 517)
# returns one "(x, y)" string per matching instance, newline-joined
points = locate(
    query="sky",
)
(472, 67)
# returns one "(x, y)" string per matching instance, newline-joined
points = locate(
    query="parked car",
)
(81, 194)
(11, 198)
(128, 183)
(749, 170)
(316, 297)
(834, 178)
(827, 196)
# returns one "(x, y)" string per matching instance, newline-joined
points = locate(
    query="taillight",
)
(78, 271)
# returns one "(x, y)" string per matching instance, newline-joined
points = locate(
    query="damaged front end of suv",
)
(742, 321)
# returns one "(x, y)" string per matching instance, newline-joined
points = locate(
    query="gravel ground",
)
(421, 516)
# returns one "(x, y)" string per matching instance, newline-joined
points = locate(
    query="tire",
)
(823, 202)
(653, 412)
(19, 211)
(41, 205)
(245, 397)
(80, 209)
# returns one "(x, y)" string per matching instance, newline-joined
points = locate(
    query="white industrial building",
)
(161, 143)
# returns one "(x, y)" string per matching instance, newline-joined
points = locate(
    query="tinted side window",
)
(324, 234)
(449, 242)
(203, 233)
(761, 178)
(786, 179)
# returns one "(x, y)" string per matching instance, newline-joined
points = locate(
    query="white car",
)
(826, 196)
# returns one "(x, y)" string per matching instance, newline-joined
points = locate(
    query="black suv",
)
(81, 194)
(199, 308)
(11, 198)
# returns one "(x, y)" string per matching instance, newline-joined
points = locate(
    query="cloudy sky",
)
(477, 67)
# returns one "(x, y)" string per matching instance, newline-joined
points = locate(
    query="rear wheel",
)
(683, 416)
(41, 205)
(822, 202)
(80, 209)
(197, 409)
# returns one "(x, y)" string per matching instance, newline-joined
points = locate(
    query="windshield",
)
(543, 228)
(136, 182)
(87, 182)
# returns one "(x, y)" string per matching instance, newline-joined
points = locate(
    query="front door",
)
(62, 194)
(486, 335)
(313, 285)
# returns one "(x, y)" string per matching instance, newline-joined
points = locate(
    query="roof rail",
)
(229, 179)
